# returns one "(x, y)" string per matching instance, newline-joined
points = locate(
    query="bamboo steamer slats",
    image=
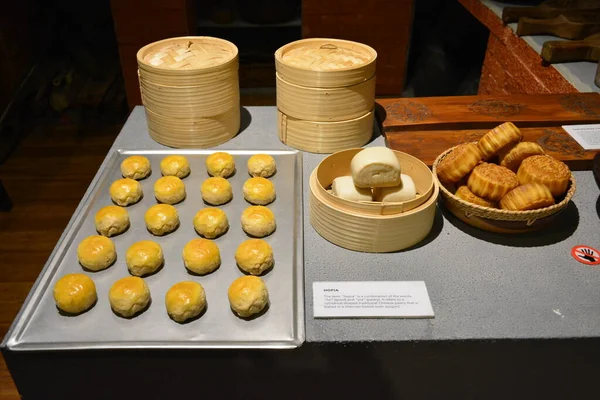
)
(325, 137)
(321, 82)
(371, 227)
(190, 88)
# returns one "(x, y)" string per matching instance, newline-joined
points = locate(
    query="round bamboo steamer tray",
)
(325, 63)
(348, 226)
(338, 164)
(193, 132)
(324, 137)
(498, 220)
(188, 61)
(331, 104)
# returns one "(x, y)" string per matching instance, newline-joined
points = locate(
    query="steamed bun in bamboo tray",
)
(372, 200)
(502, 184)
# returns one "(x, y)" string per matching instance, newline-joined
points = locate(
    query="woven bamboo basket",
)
(324, 137)
(325, 63)
(190, 88)
(498, 220)
(371, 227)
(331, 104)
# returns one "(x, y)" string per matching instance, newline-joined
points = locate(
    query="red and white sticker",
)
(586, 254)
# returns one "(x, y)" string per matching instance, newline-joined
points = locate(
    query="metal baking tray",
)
(39, 326)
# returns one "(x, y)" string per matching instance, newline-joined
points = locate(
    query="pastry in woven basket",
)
(512, 157)
(545, 170)
(465, 194)
(491, 181)
(498, 138)
(458, 163)
(530, 196)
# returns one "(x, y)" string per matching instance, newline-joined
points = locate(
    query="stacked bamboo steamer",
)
(190, 88)
(325, 94)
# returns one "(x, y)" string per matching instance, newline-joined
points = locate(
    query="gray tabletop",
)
(482, 285)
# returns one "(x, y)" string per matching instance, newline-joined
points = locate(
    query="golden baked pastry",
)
(144, 257)
(491, 181)
(128, 296)
(458, 163)
(185, 300)
(512, 157)
(161, 219)
(175, 165)
(465, 194)
(545, 170)
(262, 165)
(498, 138)
(111, 220)
(211, 222)
(216, 191)
(530, 196)
(126, 191)
(259, 190)
(75, 293)
(136, 167)
(220, 164)
(254, 256)
(96, 252)
(169, 190)
(248, 295)
(201, 256)
(258, 221)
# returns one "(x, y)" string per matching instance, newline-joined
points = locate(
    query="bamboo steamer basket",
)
(325, 63)
(330, 104)
(371, 227)
(194, 132)
(188, 61)
(498, 220)
(325, 137)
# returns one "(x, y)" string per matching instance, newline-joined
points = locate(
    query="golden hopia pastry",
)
(185, 300)
(220, 164)
(491, 181)
(248, 295)
(111, 220)
(211, 222)
(169, 190)
(201, 256)
(135, 167)
(465, 194)
(96, 252)
(161, 219)
(498, 138)
(459, 162)
(128, 296)
(75, 293)
(262, 165)
(258, 221)
(216, 191)
(254, 256)
(545, 170)
(126, 191)
(144, 257)
(512, 157)
(344, 188)
(530, 196)
(175, 165)
(259, 191)
(375, 167)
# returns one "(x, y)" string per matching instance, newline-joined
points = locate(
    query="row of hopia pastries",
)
(130, 296)
(215, 190)
(524, 178)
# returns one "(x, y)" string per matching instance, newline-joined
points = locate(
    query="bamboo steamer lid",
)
(325, 63)
(330, 104)
(188, 61)
(324, 137)
(348, 226)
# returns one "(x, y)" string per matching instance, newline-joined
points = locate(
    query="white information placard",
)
(588, 136)
(383, 299)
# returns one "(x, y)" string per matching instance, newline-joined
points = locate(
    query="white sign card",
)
(383, 299)
(588, 136)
